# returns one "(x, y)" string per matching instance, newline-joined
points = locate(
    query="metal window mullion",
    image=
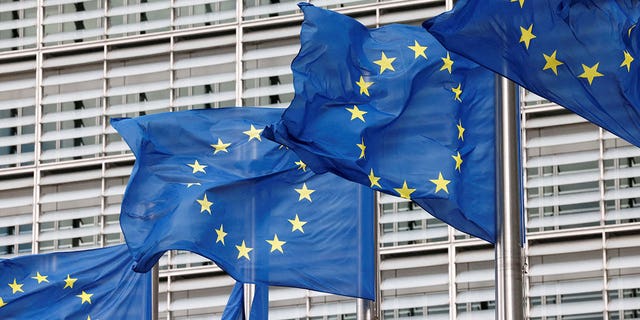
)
(452, 280)
(523, 164)
(601, 182)
(35, 229)
(239, 52)
(39, 24)
(605, 287)
(102, 238)
(307, 302)
(169, 277)
(172, 59)
(172, 18)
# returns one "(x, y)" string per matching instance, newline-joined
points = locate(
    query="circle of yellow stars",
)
(356, 112)
(244, 250)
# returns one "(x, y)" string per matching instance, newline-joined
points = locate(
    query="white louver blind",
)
(138, 17)
(17, 112)
(72, 21)
(204, 77)
(18, 24)
(565, 279)
(70, 205)
(16, 214)
(405, 223)
(196, 13)
(138, 83)
(563, 170)
(72, 108)
(475, 279)
(415, 286)
(266, 77)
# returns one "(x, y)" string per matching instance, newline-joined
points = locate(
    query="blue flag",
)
(391, 109)
(91, 284)
(207, 182)
(581, 54)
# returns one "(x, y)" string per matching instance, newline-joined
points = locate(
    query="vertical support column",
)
(239, 52)
(509, 298)
(155, 291)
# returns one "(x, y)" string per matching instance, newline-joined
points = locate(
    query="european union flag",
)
(391, 109)
(580, 54)
(206, 181)
(90, 284)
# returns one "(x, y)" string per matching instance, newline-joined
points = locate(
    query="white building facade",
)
(67, 67)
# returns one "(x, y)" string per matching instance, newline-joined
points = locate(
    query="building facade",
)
(68, 66)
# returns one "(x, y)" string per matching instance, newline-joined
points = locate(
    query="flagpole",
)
(367, 309)
(508, 253)
(249, 289)
(155, 276)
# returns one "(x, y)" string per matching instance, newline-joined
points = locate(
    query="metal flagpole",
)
(509, 296)
(366, 309)
(154, 291)
(249, 290)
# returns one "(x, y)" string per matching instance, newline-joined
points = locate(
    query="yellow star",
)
(364, 86)
(447, 63)
(362, 148)
(385, 63)
(86, 297)
(253, 133)
(551, 62)
(590, 72)
(68, 282)
(527, 35)
(197, 167)
(205, 204)
(460, 131)
(220, 146)
(221, 234)
(191, 184)
(627, 60)
(243, 251)
(296, 224)
(88, 317)
(356, 113)
(2, 303)
(16, 287)
(441, 183)
(304, 192)
(458, 91)
(405, 192)
(40, 278)
(276, 244)
(630, 29)
(521, 2)
(301, 165)
(374, 180)
(418, 50)
(458, 159)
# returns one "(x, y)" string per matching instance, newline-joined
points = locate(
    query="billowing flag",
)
(90, 284)
(391, 109)
(580, 54)
(206, 181)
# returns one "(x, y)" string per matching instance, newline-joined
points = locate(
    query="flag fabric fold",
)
(207, 182)
(89, 284)
(391, 109)
(259, 305)
(580, 54)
